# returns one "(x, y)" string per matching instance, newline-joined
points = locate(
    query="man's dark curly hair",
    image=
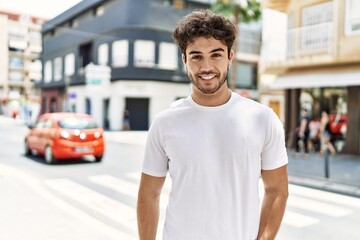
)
(204, 23)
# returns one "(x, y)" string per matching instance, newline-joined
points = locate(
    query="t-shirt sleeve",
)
(155, 160)
(274, 154)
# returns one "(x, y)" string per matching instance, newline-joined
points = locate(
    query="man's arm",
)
(148, 206)
(274, 202)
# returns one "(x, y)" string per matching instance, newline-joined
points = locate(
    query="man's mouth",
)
(207, 76)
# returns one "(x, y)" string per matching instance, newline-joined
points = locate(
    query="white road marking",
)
(298, 220)
(100, 203)
(127, 188)
(117, 184)
(35, 185)
(318, 207)
(324, 196)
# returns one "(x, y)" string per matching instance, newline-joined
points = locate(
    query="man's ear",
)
(231, 57)
(183, 57)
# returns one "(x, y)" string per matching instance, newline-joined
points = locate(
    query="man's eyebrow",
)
(212, 51)
(217, 50)
(194, 52)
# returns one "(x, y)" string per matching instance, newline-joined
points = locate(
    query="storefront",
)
(335, 91)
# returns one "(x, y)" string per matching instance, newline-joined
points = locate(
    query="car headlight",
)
(65, 134)
(97, 134)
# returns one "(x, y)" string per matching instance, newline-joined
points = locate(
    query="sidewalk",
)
(344, 172)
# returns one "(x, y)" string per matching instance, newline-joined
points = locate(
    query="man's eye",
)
(216, 55)
(196, 57)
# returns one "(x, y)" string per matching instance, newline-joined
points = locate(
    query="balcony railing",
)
(310, 40)
(299, 42)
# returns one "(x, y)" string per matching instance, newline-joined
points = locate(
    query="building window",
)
(103, 54)
(48, 71)
(352, 17)
(15, 76)
(317, 14)
(120, 53)
(168, 56)
(246, 76)
(70, 64)
(144, 53)
(16, 62)
(73, 23)
(58, 69)
(86, 54)
(98, 11)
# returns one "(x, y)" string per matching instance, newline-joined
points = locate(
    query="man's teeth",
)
(207, 77)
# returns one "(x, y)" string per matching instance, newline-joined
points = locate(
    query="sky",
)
(41, 8)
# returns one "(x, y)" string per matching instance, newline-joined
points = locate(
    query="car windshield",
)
(78, 123)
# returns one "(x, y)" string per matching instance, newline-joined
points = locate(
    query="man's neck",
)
(221, 97)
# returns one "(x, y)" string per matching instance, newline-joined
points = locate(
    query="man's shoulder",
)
(252, 105)
(176, 108)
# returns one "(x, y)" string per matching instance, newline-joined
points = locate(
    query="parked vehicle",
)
(61, 136)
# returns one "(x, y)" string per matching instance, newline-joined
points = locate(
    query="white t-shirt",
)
(214, 156)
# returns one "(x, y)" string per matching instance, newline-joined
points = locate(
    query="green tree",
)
(240, 11)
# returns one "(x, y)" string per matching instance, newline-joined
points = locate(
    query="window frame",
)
(348, 20)
(103, 54)
(144, 53)
(58, 68)
(164, 49)
(48, 71)
(120, 53)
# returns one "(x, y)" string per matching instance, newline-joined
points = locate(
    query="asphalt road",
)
(96, 201)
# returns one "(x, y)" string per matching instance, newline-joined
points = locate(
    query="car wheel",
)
(98, 158)
(49, 157)
(27, 150)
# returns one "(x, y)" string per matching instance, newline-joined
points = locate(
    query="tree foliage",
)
(245, 10)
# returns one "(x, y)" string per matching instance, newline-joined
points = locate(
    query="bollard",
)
(327, 156)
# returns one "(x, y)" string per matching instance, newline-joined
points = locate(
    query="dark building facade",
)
(131, 39)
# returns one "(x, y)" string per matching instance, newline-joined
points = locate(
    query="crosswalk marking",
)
(108, 207)
(127, 188)
(318, 207)
(324, 196)
(36, 186)
(130, 189)
(301, 198)
(298, 220)
(116, 184)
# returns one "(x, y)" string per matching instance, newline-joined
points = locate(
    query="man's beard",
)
(208, 90)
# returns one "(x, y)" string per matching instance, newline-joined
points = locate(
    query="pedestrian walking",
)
(215, 145)
(302, 140)
(325, 133)
(126, 120)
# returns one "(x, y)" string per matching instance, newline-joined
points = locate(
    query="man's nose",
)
(206, 65)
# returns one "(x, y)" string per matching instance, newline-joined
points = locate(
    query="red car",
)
(60, 136)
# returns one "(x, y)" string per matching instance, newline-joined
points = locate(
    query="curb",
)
(326, 185)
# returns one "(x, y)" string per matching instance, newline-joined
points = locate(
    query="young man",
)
(215, 146)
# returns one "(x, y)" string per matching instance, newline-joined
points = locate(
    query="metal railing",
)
(310, 40)
(299, 42)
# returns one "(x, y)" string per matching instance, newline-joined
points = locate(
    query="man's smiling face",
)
(207, 62)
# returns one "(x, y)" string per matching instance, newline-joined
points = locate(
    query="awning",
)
(315, 80)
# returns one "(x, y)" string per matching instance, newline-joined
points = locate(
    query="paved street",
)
(84, 200)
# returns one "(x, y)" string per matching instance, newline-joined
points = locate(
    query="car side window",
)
(48, 123)
(39, 124)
